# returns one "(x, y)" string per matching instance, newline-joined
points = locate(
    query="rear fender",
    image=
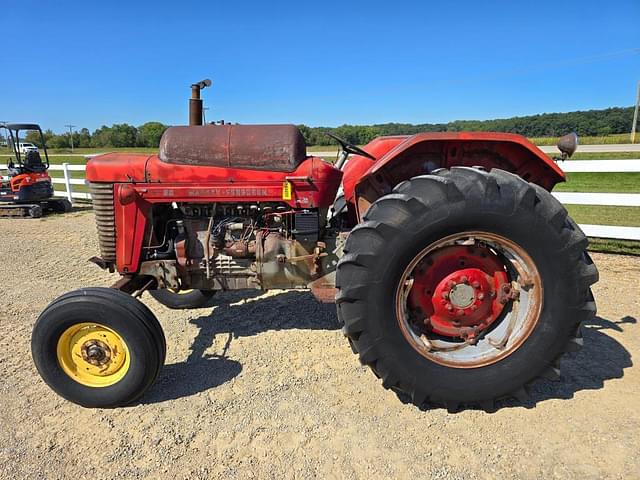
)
(425, 152)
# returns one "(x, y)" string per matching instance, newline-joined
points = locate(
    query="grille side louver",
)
(102, 197)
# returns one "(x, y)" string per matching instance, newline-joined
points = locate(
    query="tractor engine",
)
(225, 246)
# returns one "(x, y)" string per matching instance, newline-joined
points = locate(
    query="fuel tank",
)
(224, 163)
(256, 147)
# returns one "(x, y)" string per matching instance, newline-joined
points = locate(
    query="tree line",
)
(117, 135)
(584, 123)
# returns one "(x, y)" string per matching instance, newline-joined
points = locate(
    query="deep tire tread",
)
(502, 192)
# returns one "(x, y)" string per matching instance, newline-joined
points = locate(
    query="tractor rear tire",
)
(372, 277)
(182, 299)
(98, 347)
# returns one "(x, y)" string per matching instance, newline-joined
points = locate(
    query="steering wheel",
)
(349, 147)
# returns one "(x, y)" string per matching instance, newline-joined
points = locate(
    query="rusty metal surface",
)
(283, 262)
(480, 349)
(163, 271)
(195, 111)
(131, 283)
(258, 147)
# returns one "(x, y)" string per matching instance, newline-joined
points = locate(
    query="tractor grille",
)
(102, 196)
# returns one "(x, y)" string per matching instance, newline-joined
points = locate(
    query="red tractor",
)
(458, 278)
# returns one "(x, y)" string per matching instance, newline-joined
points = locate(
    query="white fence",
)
(575, 198)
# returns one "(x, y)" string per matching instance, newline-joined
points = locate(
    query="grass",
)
(600, 140)
(610, 245)
(622, 138)
(601, 183)
(604, 156)
(605, 214)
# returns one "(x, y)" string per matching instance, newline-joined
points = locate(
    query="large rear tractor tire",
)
(182, 299)
(463, 286)
(98, 347)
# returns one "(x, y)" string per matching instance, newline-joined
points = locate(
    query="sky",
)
(321, 63)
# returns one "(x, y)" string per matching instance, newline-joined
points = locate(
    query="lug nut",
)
(451, 284)
(480, 296)
(476, 284)
(449, 307)
(473, 307)
(464, 279)
(445, 295)
(460, 313)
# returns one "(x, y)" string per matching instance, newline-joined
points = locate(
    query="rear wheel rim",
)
(93, 354)
(451, 318)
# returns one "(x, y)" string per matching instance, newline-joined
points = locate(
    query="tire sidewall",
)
(542, 243)
(140, 344)
(177, 301)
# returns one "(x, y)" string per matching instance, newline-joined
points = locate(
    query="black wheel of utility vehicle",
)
(182, 299)
(98, 347)
(463, 286)
(61, 206)
(35, 211)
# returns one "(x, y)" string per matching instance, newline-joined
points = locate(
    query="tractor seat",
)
(279, 148)
(33, 162)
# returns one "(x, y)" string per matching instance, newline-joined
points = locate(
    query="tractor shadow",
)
(242, 314)
(601, 358)
(236, 314)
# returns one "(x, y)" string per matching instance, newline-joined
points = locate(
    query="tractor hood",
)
(117, 168)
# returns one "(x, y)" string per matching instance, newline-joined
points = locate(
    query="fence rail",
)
(572, 198)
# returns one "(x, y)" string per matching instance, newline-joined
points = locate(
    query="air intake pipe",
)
(195, 102)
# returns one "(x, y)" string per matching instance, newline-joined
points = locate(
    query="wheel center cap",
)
(96, 352)
(462, 295)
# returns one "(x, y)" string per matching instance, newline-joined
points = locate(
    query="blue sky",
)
(318, 63)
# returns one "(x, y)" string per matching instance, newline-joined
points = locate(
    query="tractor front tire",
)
(418, 269)
(182, 299)
(98, 347)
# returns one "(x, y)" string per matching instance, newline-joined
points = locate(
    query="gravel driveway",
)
(267, 387)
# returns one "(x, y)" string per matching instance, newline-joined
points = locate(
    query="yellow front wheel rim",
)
(93, 355)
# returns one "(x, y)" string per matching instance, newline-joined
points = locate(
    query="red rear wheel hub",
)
(457, 289)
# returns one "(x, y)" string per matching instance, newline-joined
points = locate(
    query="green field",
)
(622, 138)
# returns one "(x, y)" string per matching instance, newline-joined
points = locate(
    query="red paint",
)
(446, 269)
(314, 182)
(26, 179)
(358, 165)
(117, 167)
(522, 145)
(314, 185)
(400, 158)
(224, 184)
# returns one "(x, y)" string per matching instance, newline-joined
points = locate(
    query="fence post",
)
(67, 181)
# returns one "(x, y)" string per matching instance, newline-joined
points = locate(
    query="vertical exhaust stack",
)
(195, 102)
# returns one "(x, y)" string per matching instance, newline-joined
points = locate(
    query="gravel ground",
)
(267, 387)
